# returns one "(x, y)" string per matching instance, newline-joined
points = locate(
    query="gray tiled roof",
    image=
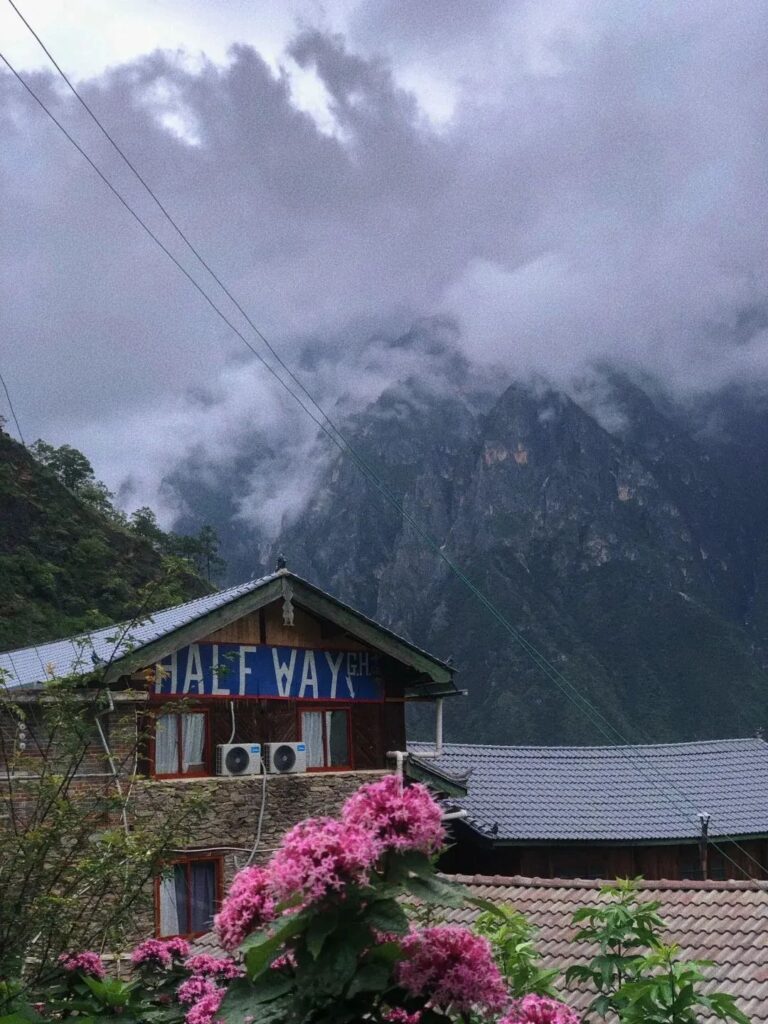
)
(610, 793)
(29, 665)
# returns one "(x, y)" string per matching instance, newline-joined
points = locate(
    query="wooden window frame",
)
(218, 867)
(323, 706)
(206, 770)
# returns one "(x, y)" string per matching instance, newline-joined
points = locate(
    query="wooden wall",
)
(651, 861)
(267, 627)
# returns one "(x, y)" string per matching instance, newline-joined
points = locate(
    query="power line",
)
(166, 213)
(13, 411)
(327, 426)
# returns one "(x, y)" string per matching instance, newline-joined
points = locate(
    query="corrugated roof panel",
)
(30, 665)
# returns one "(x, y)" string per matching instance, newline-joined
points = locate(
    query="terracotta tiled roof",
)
(726, 922)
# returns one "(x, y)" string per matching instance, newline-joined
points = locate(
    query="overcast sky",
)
(565, 181)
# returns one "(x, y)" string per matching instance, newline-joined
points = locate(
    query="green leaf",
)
(415, 862)
(486, 906)
(436, 893)
(240, 1002)
(271, 985)
(387, 952)
(261, 949)
(371, 977)
(387, 916)
(319, 929)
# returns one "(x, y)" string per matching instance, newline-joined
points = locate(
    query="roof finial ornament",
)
(282, 565)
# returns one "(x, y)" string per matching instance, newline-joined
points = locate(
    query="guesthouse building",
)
(271, 700)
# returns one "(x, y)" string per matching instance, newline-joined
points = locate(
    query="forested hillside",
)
(69, 561)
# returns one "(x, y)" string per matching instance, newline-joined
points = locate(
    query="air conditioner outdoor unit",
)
(238, 759)
(286, 758)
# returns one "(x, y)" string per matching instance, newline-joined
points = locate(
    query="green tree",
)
(71, 862)
(636, 978)
(143, 522)
(71, 467)
(668, 990)
(512, 938)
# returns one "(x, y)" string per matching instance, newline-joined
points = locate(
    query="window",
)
(187, 897)
(181, 743)
(326, 734)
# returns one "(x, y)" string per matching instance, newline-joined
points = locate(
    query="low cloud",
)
(547, 186)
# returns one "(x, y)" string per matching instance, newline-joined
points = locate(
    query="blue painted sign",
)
(242, 670)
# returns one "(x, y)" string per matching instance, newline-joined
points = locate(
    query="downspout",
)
(704, 845)
(110, 759)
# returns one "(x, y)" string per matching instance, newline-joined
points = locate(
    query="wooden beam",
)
(371, 634)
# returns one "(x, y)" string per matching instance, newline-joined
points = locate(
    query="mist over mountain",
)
(621, 532)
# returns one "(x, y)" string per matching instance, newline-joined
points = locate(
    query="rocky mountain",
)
(622, 535)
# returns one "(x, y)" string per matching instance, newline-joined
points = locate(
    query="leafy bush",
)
(320, 935)
(636, 977)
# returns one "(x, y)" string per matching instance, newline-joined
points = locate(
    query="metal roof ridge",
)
(662, 884)
(514, 750)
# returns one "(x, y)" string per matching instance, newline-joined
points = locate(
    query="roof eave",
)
(423, 771)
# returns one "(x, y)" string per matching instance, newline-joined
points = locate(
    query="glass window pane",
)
(167, 745)
(312, 735)
(337, 738)
(193, 743)
(203, 887)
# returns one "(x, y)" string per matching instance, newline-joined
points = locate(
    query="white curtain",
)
(312, 735)
(169, 908)
(193, 733)
(167, 745)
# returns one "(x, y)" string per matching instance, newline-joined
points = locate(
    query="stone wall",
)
(232, 806)
(229, 816)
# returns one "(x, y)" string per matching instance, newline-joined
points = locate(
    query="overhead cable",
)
(328, 427)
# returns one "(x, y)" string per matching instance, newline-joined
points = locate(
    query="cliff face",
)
(632, 559)
(625, 538)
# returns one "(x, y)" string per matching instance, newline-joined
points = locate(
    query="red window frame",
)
(206, 769)
(322, 708)
(218, 867)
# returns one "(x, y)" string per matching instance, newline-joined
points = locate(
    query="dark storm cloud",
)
(598, 192)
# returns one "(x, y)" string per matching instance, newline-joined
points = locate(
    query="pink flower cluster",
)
(195, 988)
(401, 1016)
(398, 817)
(159, 952)
(322, 855)
(86, 962)
(213, 966)
(249, 905)
(453, 969)
(319, 856)
(205, 1009)
(540, 1010)
(200, 992)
